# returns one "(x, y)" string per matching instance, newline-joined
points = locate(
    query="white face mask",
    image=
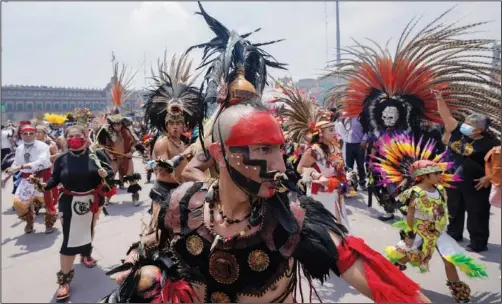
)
(390, 115)
(28, 143)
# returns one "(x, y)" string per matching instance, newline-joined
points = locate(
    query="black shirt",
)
(468, 155)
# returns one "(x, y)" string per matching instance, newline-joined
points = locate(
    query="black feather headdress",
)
(173, 96)
(231, 58)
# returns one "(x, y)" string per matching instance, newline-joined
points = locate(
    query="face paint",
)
(252, 175)
(257, 128)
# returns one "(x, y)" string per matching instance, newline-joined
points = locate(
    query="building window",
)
(64, 107)
(29, 107)
(80, 104)
(48, 107)
(20, 107)
(72, 106)
(10, 107)
(56, 107)
(39, 106)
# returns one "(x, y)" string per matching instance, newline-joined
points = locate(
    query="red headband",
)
(27, 128)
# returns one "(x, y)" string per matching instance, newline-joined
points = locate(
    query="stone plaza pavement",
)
(30, 262)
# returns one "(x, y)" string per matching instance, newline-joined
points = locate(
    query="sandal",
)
(88, 261)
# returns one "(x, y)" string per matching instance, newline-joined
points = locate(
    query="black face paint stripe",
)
(264, 173)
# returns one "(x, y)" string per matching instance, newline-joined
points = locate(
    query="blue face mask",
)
(466, 130)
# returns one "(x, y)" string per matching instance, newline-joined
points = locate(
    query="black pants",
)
(4, 153)
(465, 198)
(354, 152)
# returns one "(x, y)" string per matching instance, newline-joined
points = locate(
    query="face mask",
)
(75, 143)
(28, 143)
(466, 130)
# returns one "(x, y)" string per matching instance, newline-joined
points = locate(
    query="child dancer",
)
(424, 205)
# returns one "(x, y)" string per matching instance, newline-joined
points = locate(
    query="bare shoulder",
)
(184, 200)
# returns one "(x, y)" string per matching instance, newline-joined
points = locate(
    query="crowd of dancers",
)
(249, 200)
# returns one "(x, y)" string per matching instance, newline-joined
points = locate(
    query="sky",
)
(70, 43)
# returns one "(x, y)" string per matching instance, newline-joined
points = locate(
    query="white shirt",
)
(6, 133)
(38, 157)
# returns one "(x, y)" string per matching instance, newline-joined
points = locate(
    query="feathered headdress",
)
(82, 116)
(396, 91)
(55, 118)
(119, 91)
(401, 160)
(173, 96)
(237, 68)
(303, 117)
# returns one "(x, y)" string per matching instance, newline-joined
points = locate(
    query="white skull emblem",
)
(390, 115)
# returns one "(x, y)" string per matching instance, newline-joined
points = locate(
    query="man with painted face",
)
(470, 141)
(239, 239)
(32, 157)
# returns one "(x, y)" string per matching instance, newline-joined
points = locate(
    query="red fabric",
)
(176, 292)
(112, 192)
(388, 284)
(97, 193)
(50, 196)
(333, 184)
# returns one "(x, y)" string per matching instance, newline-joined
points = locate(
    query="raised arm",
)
(449, 121)
(194, 170)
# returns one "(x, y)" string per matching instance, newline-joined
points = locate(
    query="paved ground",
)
(30, 262)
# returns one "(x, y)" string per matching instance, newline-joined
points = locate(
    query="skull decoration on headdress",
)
(173, 97)
(396, 91)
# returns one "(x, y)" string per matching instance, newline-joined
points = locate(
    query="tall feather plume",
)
(438, 57)
(226, 51)
(120, 85)
(397, 152)
(300, 115)
(172, 89)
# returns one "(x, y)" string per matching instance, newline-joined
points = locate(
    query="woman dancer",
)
(81, 173)
(321, 165)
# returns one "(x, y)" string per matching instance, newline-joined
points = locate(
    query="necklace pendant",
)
(215, 242)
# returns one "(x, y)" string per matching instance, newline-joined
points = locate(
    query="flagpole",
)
(338, 55)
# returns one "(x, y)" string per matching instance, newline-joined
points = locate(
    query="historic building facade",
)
(25, 102)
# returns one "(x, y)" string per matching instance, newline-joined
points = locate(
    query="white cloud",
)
(70, 43)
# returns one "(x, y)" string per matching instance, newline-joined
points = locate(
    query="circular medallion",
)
(194, 245)
(81, 208)
(219, 297)
(223, 267)
(258, 260)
